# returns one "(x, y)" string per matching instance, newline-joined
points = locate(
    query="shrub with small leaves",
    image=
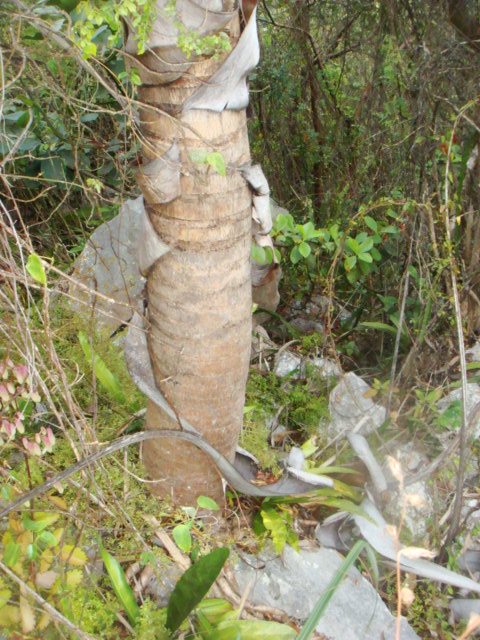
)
(16, 400)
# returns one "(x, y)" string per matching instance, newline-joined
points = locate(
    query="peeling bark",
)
(198, 258)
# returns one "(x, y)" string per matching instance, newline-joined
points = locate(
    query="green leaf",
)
(41, 522)
(102, 372)
(217, 162)
(183, 538)
(324, 600)
(371, 223)
(274, 522)
(353, 245)
(304, 249)
(205, 502)
(11, 553)
(66, 5)
(307, 230)
(381, 326)
(365, 257)
(31, 551)
(120, 585)
(53, 169)
(365, 246)
(251, 630)
(350, 262)
(47, 538)
(295, 255)
(376, 255)
(35, 269)
(259, 253)
(193, 586)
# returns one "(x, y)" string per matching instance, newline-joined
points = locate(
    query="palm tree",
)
(194, 174)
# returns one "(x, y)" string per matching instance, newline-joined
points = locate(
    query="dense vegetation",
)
(365, 117)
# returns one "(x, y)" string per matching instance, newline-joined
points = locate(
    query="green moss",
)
(95, 613)
(110, 414)
(303, 405)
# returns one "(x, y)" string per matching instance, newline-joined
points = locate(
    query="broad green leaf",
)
(295, 255)
(102, 372)
(353, 245)
(35, 269)
(11, 553)
(47, 538)
(258, 253)
(365, 257)
(376, 255)
(193, 586)
(284, 221)
(371, 223)
(307, 230)
(365, 246)
(350, 262)
(183, 538)
(324, 600)
(53, 169)
(217, 162)
(204, 502)
(251, 630)
(274, 522)
(214, 609)
(473, 365)
(42, 521)
(304, 249)
(66, 5)
(120, 585)
(31, 551)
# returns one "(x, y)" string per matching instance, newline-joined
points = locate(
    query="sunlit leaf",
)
(42, 521)
(73, 555)
(251, 630)
(274, 522)
(122, 589)
(205, 502)
(217, 162)
(11, 554)
(35, 268)
(102, 372)
(183, 538)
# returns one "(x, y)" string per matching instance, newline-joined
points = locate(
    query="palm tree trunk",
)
(199, 291)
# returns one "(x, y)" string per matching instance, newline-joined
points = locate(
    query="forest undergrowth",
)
(373, 150)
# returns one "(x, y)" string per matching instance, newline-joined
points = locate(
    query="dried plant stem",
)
(458, 500)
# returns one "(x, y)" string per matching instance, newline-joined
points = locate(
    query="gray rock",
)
(326, 368)
(473, 398)
(108, 265)
(294, 584)
(287, 362)
(349, 407)
(307, 325)
(474, 352)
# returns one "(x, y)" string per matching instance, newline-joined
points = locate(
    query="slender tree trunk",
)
(199, 292)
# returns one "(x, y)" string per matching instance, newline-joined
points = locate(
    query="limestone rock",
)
(295, 582)
(349, 407)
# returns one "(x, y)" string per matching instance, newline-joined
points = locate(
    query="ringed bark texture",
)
(199, 291)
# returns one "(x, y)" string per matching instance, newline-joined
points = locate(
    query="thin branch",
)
(52, 612)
